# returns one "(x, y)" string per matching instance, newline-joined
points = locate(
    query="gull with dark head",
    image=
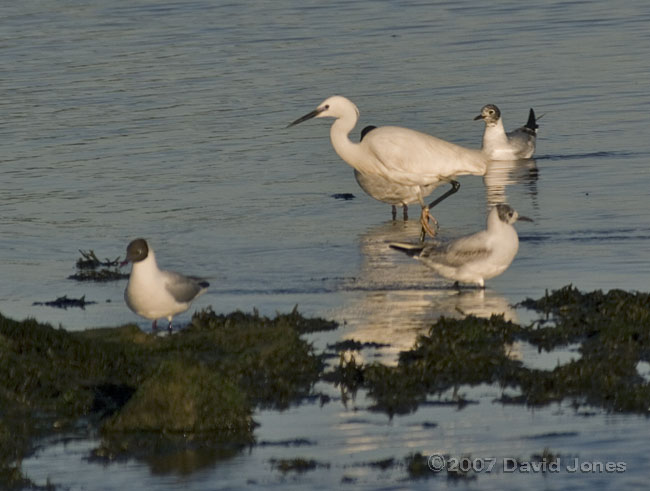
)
(154, 293)
(473, 258)
(499, 145)
(400, 155)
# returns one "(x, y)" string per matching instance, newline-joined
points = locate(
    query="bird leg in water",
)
(455, 185)
(424, 221)
(154, 325)
(394, 211)
(405, 212)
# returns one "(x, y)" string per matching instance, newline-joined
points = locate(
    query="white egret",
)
(400, 155)
(383, 190)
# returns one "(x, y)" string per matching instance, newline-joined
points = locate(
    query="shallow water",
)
(166, 120)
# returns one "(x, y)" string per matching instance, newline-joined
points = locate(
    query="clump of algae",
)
(179, 398)
(149, 395)
(612, 329)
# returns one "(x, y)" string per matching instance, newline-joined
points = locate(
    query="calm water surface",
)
(166, 120)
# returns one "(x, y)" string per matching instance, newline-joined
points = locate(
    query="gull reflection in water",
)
(393, 299)
(503, 173)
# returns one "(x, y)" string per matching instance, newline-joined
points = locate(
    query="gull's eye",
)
(491, 112)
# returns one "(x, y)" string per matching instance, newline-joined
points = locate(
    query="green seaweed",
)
(89, 260)
(185, 397)
(181, 402)
(171, 401)
(417, 466)
(101, 276)
(64, 302)
(299, 465)
(612, 329)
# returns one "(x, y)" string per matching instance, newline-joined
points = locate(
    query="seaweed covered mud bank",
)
(148, 397)
(612, 330)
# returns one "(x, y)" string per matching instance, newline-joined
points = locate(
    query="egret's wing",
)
(184, 288)
(390, 192)
(413, 158)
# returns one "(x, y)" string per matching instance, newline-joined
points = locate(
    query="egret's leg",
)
(154, 325)
(405, 212)
(394, 211)
(455, 185)
(424, 221)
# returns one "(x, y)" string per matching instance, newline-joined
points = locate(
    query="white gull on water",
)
(499, 145)
(473, 258)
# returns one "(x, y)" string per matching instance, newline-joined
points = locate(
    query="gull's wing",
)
(522, 140)
(183, 288)
(458, 252)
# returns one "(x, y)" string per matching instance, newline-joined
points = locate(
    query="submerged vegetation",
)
(194, 393)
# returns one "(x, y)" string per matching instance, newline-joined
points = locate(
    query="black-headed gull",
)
(154, 293)
(473, 258)
(499, 145)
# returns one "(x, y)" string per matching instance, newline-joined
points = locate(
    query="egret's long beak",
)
(521, 218)
(307, 116)
(480, 116)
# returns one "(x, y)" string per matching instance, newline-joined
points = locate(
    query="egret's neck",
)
(349, 151)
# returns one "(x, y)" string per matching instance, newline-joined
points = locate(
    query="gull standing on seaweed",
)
(499, 145)
(399, 155)
(473, 258)
(154, 293)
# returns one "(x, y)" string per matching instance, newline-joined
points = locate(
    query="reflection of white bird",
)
(390, 301)
(499, 145)
(477, 257)
(154, 293)
(383, 190)
(400, 155)
(505, 173)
